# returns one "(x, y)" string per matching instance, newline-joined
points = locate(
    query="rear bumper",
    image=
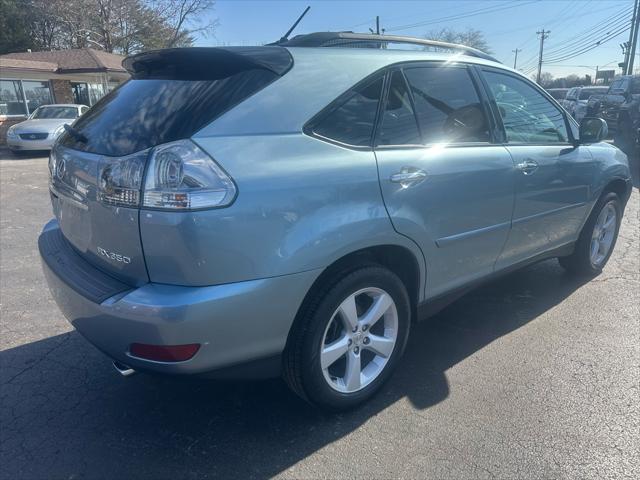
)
(235, 324)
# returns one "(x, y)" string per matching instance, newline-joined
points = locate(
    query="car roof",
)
(375, 42)
(383, 57)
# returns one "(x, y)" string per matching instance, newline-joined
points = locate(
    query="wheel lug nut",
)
(355, 329)
(350, 342)
(365, 328)
(366, 340)
(356, 350)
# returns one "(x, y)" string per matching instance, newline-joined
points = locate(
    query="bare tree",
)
(469, 37)
(122, 26)
(185, 18)
(546, 79)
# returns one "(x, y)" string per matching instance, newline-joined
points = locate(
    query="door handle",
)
(528, 167)
(409, 176)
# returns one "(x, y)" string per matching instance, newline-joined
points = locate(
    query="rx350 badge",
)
(116, 257)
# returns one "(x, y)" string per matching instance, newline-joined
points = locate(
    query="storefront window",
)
(11, 99)
(96, 92)
(87, 93)
(13, 94)
(37, 93)
(80, 94)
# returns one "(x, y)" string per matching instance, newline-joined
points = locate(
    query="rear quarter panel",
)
(302, 204)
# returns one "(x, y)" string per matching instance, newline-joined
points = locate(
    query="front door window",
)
(528, 117)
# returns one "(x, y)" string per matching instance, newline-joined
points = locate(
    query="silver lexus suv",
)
(292, 209)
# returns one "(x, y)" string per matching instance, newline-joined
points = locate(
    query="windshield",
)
(585, 94)
(55, 112)
(618, 85)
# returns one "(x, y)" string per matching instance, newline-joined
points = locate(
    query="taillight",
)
(180, 176)
(164, 353)
(120, 179)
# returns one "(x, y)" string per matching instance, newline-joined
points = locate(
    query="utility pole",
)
(633, 38)
(625, 51)
(544, 34)
(515, 60)
(377, 32)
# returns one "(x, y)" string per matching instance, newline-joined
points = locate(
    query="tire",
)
(324, 322)
(583, 261)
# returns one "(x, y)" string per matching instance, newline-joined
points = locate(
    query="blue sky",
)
(507, 24)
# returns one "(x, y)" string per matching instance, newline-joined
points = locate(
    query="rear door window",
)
(351, 122)
(447, 105)
(398, 125)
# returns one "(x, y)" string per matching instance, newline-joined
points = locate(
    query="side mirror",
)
(593, 130)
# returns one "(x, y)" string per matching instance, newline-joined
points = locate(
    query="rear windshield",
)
(143, 113)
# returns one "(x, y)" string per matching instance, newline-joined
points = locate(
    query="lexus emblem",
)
(33, 136)
(60, 169)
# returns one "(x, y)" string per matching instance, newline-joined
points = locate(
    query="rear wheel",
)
(349, 339)
(597, 239)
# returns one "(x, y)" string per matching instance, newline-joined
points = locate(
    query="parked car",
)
(43, 127)
(620, 107)
(577, 99)
(251, 211)
(558, 93)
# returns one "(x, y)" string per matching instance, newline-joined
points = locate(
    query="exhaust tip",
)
(124, 370)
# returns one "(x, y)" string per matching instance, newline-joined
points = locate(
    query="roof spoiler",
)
(206, 63)
(345, 39)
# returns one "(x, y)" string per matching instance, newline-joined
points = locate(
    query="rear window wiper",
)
(75, 133)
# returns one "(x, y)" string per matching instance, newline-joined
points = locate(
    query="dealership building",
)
(31, 79)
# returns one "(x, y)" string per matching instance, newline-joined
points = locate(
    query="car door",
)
(444, 183)
(553, 174)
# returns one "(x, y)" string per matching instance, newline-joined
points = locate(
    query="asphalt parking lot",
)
(536, 375)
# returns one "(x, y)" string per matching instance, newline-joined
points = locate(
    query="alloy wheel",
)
(603, 234)
(359, 340)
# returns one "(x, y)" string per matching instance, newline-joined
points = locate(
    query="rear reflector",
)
(164, 353)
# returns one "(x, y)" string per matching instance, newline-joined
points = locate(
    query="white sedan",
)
(44, 125)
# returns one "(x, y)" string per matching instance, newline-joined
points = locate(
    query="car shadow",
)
(66, 413)
(7, 154)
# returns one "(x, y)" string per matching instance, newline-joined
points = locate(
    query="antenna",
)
(286, 35)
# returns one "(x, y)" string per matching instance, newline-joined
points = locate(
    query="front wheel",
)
(597, 239)
(349, 339)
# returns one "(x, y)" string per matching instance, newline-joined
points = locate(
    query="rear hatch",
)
(99, 165)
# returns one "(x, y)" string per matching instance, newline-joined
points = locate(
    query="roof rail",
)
(369, 40)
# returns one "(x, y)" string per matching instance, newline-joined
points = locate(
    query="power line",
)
(472, 13)
(580, 38)
(590, 47)
(613, 22)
